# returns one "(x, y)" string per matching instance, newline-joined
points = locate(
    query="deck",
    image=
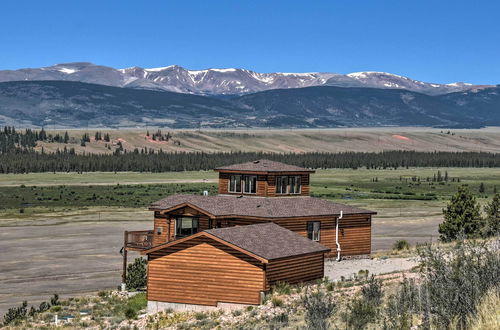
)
(138, 240)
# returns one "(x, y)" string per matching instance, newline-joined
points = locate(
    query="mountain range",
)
(88, 95)
(222, 81)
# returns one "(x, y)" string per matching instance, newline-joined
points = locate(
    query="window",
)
(281, 184)
(235, 183)
(294, 184)
(249, 184)
(185, 226)
(313, 229)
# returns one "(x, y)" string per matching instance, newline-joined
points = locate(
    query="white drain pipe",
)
(337, 235)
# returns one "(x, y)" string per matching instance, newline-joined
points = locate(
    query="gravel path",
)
(334, 270)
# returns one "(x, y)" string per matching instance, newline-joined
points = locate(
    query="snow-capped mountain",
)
(393, 81)
(220, 81)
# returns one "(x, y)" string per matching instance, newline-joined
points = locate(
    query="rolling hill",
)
(77, 104)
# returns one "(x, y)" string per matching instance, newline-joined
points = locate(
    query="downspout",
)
(337, 235)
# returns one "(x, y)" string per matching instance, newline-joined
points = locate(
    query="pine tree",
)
(66, 137)
(492, 220)
(481, 188)
(461, 216)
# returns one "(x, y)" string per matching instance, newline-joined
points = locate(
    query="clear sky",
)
(436, 41)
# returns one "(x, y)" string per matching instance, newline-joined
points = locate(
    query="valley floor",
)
(71, 247)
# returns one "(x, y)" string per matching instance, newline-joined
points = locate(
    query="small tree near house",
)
(136, 274)
(462, 216)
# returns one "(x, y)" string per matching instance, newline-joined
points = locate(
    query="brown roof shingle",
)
(264, 165)
(262, 207)
(268, 240)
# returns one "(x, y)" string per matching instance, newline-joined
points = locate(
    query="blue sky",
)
(437, 41)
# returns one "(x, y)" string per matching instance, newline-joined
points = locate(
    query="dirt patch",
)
(336, 270)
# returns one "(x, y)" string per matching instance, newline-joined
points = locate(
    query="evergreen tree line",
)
(26, 161)
(12, 140)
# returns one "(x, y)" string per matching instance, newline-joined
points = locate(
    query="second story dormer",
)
(264, 178)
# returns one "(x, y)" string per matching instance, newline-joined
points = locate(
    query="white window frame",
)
(229, 188)
(279, 179)
(250, 179)
(295, 179)
(316, 233)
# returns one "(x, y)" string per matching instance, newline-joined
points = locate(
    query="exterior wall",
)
(295, 269)
(266, 184)
(202, 271)
(354, 232)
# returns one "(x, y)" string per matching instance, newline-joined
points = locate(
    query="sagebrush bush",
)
(456, 280)
(400, 245)
(401, 306)
(365, 309)
(319, 307)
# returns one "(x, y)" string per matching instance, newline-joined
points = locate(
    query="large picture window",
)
(294, 184)
(185, 226)
(313, 230)
(249, 184)
(235, 183)
(281, 184)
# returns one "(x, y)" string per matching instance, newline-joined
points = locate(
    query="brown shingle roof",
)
(268, 240)
(262, 207)
(264, 165)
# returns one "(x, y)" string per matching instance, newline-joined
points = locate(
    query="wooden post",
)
(124, 272)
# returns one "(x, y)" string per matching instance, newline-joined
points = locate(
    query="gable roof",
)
(265, 242)
(261, 207)
(268, 240)
(264, 165)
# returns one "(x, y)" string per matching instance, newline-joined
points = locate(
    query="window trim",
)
(311, 236)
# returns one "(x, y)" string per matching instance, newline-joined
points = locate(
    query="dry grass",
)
(488, 314)
(296, 140)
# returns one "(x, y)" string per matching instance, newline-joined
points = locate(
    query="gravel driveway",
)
(334, 269)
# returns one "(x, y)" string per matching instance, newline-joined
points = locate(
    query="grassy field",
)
(296, 140)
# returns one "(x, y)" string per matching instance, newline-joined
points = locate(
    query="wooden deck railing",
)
(139, 240)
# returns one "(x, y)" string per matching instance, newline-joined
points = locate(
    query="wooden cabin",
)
(234, 265)
(258, 192)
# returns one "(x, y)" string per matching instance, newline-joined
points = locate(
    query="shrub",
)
(282, 288)
(136, 274)
(15, 313)
(130, 313)
(200, 316)
(44, 306)
(277, 302)
(488, 315)
(401, 306)
(319, 306)
(401, 245)
(366, 308)
(54, 301)
(455, 281)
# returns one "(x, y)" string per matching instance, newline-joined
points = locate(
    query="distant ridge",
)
(228, 81)
(77, 104)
